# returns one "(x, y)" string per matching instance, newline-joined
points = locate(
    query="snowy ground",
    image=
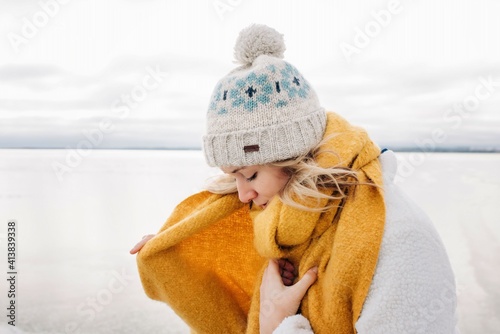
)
(75, 274)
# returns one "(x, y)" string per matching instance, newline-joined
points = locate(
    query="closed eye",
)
(251, 178)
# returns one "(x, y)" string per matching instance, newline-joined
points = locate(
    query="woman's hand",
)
(278, 301)
(141, 243)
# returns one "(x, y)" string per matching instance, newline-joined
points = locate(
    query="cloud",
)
(46, 106)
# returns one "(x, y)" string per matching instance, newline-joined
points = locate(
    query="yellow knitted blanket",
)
(207, 260)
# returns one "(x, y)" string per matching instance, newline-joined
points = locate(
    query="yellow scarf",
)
(207, 260)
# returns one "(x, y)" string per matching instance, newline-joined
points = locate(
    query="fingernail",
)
(315, 269)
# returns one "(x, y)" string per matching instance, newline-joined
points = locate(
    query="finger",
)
(265, 274)
(136, 248)
(273, 273)
(288, 275)
(270, 277)
(273, 267)
(285, 264)
(288, 266)
(287, 282)
(305, 282)
(141, 243)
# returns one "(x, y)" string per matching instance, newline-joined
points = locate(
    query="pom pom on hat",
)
(256, 40)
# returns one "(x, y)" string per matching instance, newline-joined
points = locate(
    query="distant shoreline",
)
(395, 149)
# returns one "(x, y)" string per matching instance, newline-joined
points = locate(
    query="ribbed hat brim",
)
(268, 144)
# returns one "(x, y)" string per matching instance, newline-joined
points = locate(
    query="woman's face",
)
(258, 183)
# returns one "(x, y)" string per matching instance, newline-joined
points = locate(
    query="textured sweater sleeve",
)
(413, 289)
(296, 324)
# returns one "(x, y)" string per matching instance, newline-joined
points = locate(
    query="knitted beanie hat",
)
(264, 110)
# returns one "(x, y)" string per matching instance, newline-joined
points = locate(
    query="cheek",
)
(284, 181)
(279, 183)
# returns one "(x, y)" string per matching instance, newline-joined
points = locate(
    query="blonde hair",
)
(307, 181)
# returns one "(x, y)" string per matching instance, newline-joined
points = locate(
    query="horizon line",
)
(395, 149)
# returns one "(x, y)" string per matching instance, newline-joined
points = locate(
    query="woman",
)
(307, 199)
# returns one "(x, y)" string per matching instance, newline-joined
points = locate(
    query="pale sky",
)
(86, 36)
(63, 65)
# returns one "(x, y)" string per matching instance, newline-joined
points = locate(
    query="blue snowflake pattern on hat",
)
(256, 89)
(251, 91)
(293, 82)
(217, 96)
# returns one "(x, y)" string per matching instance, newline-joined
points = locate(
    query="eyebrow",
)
(237, 170)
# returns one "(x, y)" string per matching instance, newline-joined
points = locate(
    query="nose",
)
(245, 192)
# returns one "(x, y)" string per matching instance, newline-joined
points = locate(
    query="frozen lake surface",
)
(74, 233)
